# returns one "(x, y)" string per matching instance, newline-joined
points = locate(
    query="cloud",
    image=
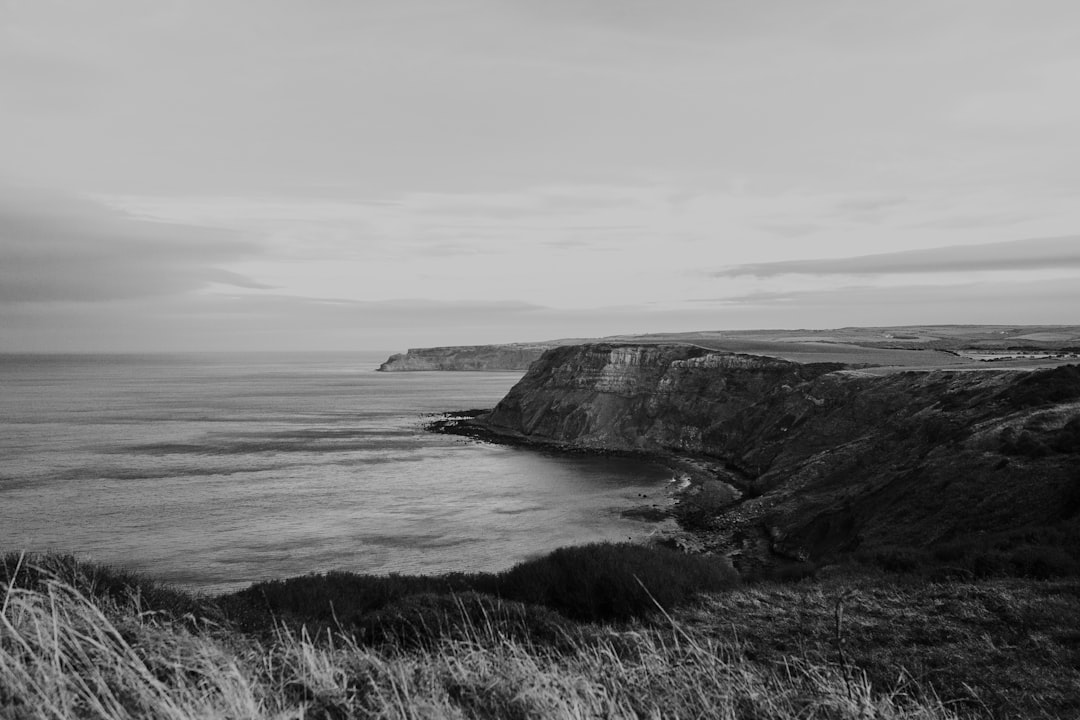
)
(789, 230)
(863, 205)
(1042, 302)
(270, 321)
(975, 220)
(1037, 254)
(57, 248)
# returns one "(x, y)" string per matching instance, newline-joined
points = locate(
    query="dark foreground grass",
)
(66, 655)
(1001, 648)
(852, 644)
(105, 582)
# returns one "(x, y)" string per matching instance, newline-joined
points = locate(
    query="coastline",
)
(698, 485)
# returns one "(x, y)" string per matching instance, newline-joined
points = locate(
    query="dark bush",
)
(939, 430)
(1026, 445)
(1064, 440)
(1067, 439)
(901, 560)
(1043, 562)
(614, 581)
(1039, 552)
(337, 600)
(1041, 387)
(590, 582)
(421, 620)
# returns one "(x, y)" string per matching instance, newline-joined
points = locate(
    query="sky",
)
(360, 175)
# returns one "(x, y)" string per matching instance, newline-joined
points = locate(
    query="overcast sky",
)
(233, 175)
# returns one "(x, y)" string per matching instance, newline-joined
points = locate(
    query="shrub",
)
(939, 430)
(1026, 445)
(900, 560)
(1043, 562)
(614, 581)
(1067, 439)
(423, 621)
(1039, 553)
(329, 600)
(591, 582)
(1042, 387)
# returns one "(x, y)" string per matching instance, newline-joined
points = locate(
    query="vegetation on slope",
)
(599, 582)
(827, 464)
(1002, 648)
(849, 646)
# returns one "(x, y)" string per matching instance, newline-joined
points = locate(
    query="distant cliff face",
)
(829, 460)
(515, 357)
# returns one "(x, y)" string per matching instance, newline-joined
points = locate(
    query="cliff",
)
(821, 460)
(515, 357)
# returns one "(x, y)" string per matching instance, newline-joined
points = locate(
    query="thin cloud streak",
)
(258, 322)
(239, 321)
(1022, 303)
(59, 248)
(1038, 254)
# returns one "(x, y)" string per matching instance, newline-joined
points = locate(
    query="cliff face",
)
(515, 357)
(644, 397)
(827, 460)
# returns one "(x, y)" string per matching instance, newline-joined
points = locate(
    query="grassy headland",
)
(80, 640)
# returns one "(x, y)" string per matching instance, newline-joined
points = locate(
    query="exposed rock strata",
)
(512, 357)
(824, 460)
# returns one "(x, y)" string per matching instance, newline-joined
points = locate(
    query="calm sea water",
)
(214, 471)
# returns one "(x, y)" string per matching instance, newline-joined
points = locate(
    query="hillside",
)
(811, 462)
(86, 641)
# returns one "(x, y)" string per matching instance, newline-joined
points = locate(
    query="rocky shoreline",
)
(789, 466)
(697, 489)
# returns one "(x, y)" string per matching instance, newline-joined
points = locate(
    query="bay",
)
(215, 471)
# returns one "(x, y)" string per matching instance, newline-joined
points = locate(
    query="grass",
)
(109, 584)
(64, 654)
(1040, 554)
(1003, 648)
(850, 644)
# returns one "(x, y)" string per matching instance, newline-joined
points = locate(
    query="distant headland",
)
(510, 357)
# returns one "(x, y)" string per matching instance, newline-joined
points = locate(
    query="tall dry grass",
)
(65, 655)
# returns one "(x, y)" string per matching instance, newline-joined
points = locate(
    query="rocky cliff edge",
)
(823, 459)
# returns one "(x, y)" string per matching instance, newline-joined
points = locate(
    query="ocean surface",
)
(215, 471)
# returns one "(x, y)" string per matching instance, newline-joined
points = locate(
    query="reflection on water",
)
(214, 471)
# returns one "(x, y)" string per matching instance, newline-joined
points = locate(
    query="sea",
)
(214, 471)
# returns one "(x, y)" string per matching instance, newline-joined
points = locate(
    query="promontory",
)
(510, 357)
(811, 461)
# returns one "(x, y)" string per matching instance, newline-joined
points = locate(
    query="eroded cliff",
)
(825, 459)
(512, 357)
